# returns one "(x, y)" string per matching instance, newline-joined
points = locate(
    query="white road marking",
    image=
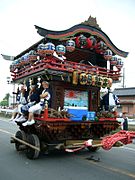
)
(5, 131)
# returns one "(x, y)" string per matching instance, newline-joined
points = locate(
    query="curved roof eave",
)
(80, 28)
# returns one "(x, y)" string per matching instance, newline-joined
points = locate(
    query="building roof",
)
(125, 91)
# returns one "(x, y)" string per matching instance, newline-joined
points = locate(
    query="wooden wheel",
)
(30, 152)
(93, 149)
(22, 136)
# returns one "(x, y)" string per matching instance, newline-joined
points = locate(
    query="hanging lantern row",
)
(100, 48)
(43, 49)
(81, 41)
(89, 79)
(31, 57)
(46, 49)
(49, 48)
(28, 58)
(95, 80)
(90, 43)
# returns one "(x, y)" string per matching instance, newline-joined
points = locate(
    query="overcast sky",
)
(18, 17)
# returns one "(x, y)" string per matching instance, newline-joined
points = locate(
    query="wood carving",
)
(91, 22)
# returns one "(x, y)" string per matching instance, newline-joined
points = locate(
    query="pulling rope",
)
(125, 137)
(85, 144)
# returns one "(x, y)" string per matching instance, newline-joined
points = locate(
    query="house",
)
(127, 100)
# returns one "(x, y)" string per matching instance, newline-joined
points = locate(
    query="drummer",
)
(44, 96)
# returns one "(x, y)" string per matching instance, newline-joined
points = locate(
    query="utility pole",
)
(123, 80)
(9, 81)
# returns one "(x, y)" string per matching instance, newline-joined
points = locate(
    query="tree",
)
(5, 100)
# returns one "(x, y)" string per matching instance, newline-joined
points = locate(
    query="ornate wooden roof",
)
(82, 58)
(85, 28)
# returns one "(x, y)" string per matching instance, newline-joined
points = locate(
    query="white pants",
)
(37, 108)
(18, 108)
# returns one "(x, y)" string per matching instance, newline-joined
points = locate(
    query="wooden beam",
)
(25, 143)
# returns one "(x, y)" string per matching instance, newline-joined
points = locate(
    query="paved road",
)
(116, 164)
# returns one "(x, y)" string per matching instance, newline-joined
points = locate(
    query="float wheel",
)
(22, 136)
(30, 152)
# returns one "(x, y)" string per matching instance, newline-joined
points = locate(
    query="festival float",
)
(77, 63)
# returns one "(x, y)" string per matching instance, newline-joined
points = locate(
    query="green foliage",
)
(5, 100)
(4, 103)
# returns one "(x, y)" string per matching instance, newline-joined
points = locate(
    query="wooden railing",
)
(68, 66)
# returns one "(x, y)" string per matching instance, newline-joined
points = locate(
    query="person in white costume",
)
(44, 96)
(21, 100)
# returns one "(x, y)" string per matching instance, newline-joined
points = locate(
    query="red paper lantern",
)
(83, 42)
(100, 47)
(93, 41)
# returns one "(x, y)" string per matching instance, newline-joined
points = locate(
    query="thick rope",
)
(125, 137)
